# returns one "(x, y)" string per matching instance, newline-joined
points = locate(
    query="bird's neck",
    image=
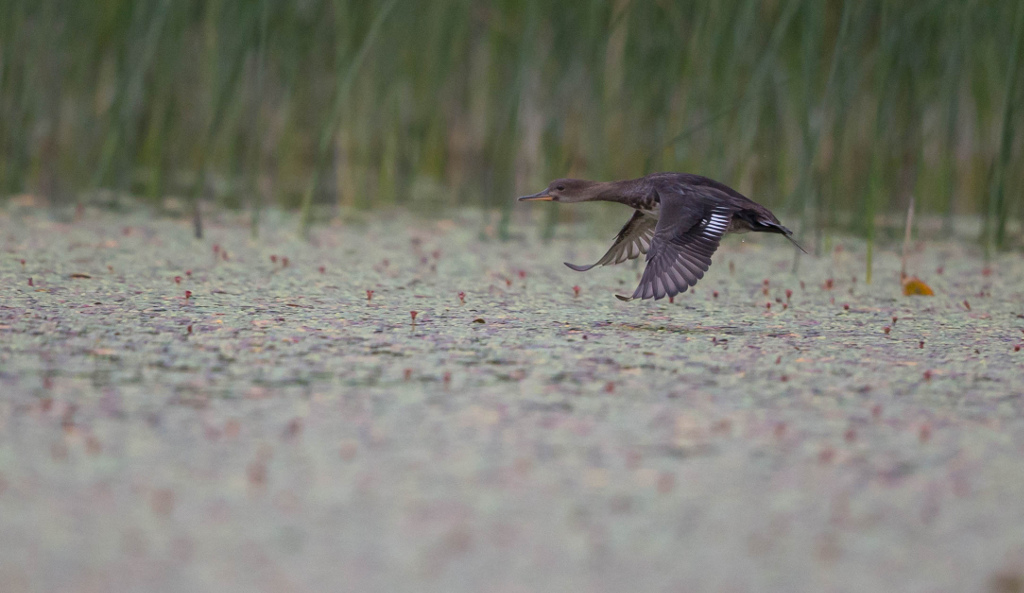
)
(627, 192)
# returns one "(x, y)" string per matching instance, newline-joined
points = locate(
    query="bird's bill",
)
(541, 196)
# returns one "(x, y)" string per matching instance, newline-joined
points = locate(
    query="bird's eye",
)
(560, 188)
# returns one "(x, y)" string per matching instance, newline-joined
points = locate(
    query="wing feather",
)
(634, 239)
(686, 236)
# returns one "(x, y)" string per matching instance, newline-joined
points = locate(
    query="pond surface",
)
(278, 430)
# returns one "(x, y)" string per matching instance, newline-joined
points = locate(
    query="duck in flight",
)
(678, 221)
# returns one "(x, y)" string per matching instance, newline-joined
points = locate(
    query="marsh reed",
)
(838, 112)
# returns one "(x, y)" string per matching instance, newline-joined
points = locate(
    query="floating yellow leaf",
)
(912, 285)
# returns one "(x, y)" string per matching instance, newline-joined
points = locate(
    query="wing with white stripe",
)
(681, 249)
(634, 238)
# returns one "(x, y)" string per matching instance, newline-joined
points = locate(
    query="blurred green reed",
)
(836, 111)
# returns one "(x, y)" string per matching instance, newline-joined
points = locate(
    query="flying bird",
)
(678, 221)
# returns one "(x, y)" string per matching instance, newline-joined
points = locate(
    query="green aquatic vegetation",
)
(400, 404)
(839, 111)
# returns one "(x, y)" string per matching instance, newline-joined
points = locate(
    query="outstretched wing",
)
(634, 239)
(684, 240)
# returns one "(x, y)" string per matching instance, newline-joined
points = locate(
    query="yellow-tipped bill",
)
(537, 197)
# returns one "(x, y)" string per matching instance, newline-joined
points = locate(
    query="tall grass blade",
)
(329, 127)
(998, 204)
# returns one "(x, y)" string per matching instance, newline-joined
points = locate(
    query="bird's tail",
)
(793, 241)
(774, 227)
(762, 224)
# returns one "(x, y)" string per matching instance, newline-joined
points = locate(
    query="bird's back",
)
(706, 191)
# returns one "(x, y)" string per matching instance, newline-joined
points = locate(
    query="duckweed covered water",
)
(278, 430)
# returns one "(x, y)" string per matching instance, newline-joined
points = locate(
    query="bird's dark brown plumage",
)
(678, 222)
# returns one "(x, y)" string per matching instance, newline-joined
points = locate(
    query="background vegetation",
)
(838, 111)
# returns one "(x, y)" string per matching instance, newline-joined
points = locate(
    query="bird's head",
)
(564, 190)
